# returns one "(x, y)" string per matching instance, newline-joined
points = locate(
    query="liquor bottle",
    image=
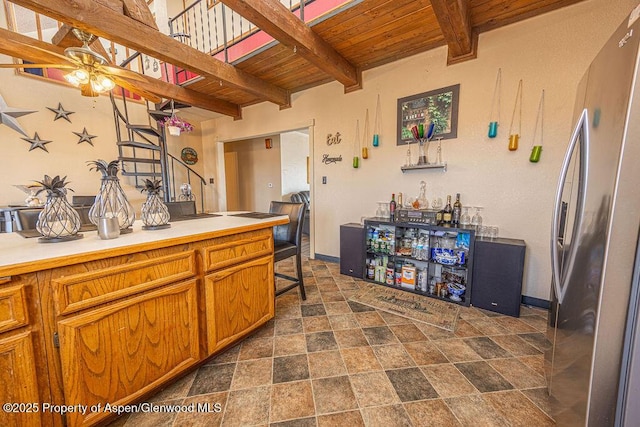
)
(457, 211)
(392, 208)
(439, 216)
(447, 213)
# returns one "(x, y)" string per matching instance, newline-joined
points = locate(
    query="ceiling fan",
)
(90, 71)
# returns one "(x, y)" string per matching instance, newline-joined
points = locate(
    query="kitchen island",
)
(92, 322)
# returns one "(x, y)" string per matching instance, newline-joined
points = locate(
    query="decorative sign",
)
(189, 156)
(328, 160)
(334, 139)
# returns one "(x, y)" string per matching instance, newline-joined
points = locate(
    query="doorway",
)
(260, 169)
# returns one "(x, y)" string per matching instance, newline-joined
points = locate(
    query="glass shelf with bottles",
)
(425, 259)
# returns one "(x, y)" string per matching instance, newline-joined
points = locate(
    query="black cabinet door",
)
(497, 275)
(352, 256)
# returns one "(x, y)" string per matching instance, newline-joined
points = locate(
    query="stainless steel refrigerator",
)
(591, 366)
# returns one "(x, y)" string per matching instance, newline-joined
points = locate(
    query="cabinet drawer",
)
(226, 251)
(13, 308)
(80, 291)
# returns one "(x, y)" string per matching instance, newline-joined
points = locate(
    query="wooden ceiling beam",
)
(139, 10)
(100, 20)
(65, 38)
(275, 19)
(455, 22)
(37, 51)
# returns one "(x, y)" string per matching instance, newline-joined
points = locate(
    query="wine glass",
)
(437, 203)
(465, 219)
(476, 220)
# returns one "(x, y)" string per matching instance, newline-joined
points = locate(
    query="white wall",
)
(18, 165)
(548, 52)
(294, 150)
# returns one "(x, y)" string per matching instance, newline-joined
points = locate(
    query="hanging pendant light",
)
(515, 137)
(494, 115)
(536, 149)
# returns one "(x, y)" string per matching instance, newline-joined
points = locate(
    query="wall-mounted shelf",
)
(442, 166)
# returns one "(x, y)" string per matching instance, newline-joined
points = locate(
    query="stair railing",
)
(213, 28)
(170, 166)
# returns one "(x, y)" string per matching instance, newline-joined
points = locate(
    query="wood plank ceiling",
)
(368, 34)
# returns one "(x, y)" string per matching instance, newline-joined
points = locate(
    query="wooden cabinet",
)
(115, 328)
(24, 380)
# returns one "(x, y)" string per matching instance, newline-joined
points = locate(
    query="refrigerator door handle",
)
(557, 277)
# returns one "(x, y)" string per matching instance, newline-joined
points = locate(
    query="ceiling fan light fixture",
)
(106, 82)
(77, 77)
(100, 83)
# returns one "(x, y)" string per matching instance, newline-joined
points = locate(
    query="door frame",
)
(222, 197)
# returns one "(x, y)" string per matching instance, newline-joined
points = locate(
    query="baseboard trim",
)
(327, 258)
(536, 302)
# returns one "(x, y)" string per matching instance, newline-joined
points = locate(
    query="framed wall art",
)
(439, 106)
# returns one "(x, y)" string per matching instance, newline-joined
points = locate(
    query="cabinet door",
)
(238, 300)
(116, 353)
(17, 358)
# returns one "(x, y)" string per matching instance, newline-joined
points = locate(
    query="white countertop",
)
(15, 249)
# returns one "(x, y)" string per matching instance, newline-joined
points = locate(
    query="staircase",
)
(142, 152)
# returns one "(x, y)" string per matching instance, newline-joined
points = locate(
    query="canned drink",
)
(461, 257)
(390, 276)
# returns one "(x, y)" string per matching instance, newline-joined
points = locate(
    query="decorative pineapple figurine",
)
(58, 221)
(111, 200)
(155, 214)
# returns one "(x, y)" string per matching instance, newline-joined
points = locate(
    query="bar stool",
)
(287, 242)
(26, 219)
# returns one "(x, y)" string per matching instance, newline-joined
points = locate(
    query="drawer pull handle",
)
(495, 304)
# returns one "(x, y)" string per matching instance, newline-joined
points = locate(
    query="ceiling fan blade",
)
(125, 84)
(121, 72)
(27, 65)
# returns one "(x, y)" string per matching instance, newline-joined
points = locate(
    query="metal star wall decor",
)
(8, 116)
(61, 113)
(36, 142)
(85, 137)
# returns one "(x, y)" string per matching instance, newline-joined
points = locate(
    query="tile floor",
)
(330, 362)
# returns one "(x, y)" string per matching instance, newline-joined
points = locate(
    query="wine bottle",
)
(457, 211)
(439, 215)
(447, 213)
(392, 207)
